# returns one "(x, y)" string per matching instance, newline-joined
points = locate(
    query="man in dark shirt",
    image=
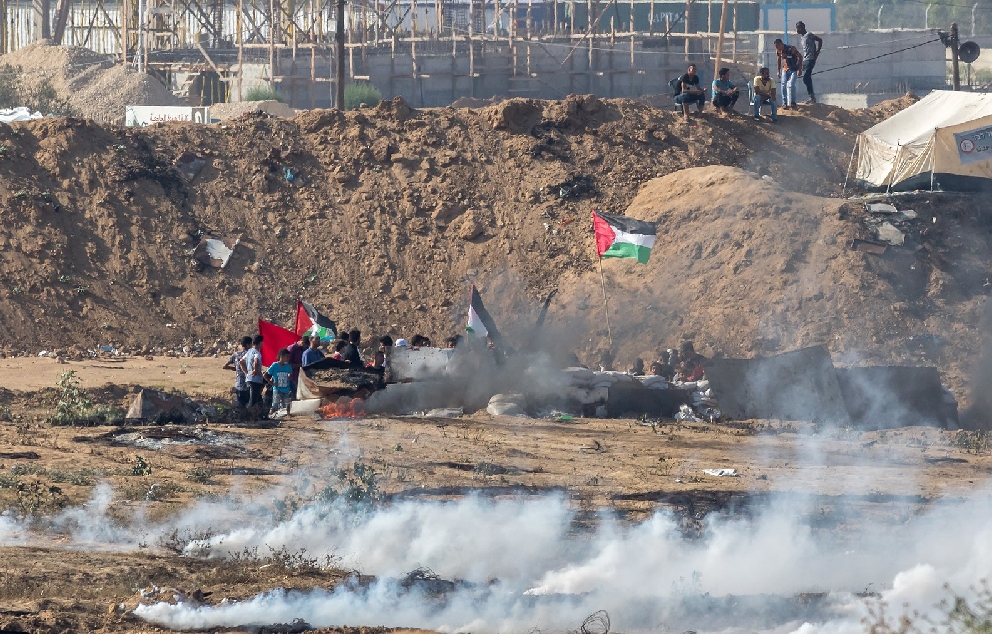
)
(296, 361)
(810, 47)
(790, 64)
(691, 91)
(350, 352)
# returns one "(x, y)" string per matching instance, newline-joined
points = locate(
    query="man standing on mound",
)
(810, 46)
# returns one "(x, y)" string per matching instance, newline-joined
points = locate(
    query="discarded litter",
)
(685, 413)
(868, 246)
(725, 473)
(445, 412)
(189, 165)
(888, 233)
(215, 252)
(881, 208)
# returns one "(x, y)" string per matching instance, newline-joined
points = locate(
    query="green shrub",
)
(261, 93)
(71, 403)
(361, 93)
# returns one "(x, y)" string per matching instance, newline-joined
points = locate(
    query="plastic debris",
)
(887, 232)
(881, 208)
(722, 473)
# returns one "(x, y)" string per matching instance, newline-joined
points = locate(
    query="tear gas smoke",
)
(522, 564)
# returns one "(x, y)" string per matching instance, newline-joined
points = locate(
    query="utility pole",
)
(955, 71)
(339, 35)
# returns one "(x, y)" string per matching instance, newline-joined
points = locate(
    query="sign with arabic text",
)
(147, 115)
(974, 145)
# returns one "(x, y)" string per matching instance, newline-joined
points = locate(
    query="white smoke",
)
(525, 567)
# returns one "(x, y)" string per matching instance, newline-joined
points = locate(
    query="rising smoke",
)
(523, 568)
(529, 563)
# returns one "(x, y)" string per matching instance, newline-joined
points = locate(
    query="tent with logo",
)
(943, 141)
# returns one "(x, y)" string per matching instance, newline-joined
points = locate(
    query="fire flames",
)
(344, 407)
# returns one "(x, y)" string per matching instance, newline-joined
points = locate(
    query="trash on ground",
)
(189, 165)
(887, 232)
(881, 208)
(215, 252)
(868, 246)
(445, 412)
(720, 473)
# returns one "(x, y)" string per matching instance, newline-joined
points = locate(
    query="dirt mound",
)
(384, 216)
(98, 86)
(224, 111)
(886, 109)
(744, 267)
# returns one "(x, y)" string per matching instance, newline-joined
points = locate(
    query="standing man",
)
(790, 64)
(691, 92)
(764, 92)
(296, 361)
(810, 46)
(241, 393)
(251, 365)
(312, 354)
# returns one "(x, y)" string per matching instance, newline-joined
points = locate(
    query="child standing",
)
(281, 373)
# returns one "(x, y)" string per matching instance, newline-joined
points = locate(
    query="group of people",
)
(792, 62)
(684, 364)
(274, 387)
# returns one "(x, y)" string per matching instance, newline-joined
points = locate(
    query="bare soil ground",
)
(623, 466)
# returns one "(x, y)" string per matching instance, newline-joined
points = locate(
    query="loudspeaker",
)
(969, 52)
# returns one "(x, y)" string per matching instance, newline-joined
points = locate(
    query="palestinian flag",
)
(623, 237)
(310, 321)
(480, 322)
(274, 339)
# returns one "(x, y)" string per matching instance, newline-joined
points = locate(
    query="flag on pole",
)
(480, 322)
(310, 321)
(623, 237)
(274, 339)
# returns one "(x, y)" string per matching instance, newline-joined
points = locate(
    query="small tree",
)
(72, 403)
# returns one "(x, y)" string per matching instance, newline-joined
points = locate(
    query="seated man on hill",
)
(691, 92)
(764, 92)
(692, 363)
(663, 367)
(725, 93)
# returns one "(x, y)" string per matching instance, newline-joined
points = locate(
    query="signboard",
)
(418, 364)
(147, 115)
(974, 145)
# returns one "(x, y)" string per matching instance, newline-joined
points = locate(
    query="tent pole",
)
(850, 163)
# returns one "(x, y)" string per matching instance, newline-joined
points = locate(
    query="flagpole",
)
(606, 303)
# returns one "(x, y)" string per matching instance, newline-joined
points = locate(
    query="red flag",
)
(274, 339)
(605, 235)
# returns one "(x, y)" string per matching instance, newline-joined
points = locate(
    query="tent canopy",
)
(919, 143)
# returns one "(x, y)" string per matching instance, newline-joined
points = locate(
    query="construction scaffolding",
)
(431, 51)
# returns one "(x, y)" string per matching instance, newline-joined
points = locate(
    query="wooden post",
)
(125, 36)
(734, 54)
(651, 19)
(313, 77)
(687, 7)
(339, 38)
(719, 40)
(955, 70)
(273, 20)
(240, 25)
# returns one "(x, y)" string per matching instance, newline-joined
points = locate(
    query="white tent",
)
(943, 140)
